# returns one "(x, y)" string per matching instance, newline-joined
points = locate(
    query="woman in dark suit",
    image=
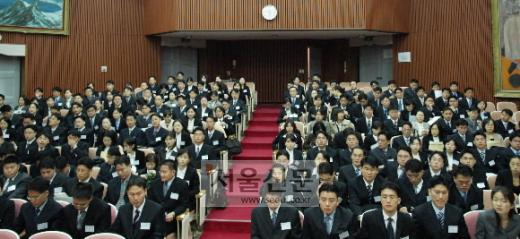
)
(288, 128)
(190, 122)
(136, 156)
(435, 136)
(182, 137)
(510, 178)
(501, 222)
(189, 174)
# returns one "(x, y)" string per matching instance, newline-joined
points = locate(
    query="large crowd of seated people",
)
(72, 156)
(390, 162)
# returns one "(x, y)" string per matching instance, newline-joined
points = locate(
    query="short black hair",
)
(122, 160)
(461, 122)
(114, 151)
(38, 184)
(438, 180)
(82, 191)
(370, 160)
(282, 152)
(47, 163)
(138, 182)
(463, 170)
(414, 166)
(11, 158)
(329, 187)
(172, 165)
(392, 186)
(198, 129)
(326, 168)
(87, 162)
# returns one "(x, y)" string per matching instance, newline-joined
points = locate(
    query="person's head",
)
(328, 194)
(43, 139)
(506, 115)
(438, 191)
(38, 191)
(170, 140)
(515, 140)
(514, 165)
(369, 168)
(357, 156)
(84, 168)
(453, 102)
(394, 113)
(10, 166)
(407, 129)
(321, 139)
(156, 120)
(503, 201)
(136, 191)
(123, 167)
(383, 140)
(282, 157)
(462, 177)
(82, 196)
(326, 172)
(436, 161)
(109, 138)
(468, 159)
(47, 168)
(390, 197)
(435, 130)
(130, 120)
(177, 126)
(198, 135)
(278, 173)
(321, 157)
(415, 145)
(447, 113)
(479, 140)
(290, 141)
(450, 145)
(462, 126)
(454, 86)
(183, 158)
(30, 132)
(273, 199)
(352, 139)
(403, 155)
(488, 125)
(414, 170)
(72, 137)
(79, 122)
(167, 170)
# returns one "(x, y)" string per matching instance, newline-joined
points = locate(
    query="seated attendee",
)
(474, 123)
(182, 137)
(6, 210)
(320, 119)
(394, 169)
(169, 150)
(191, 121)
(56, 179)
(132, 131)
(41, 213)
(370, 141)
(404, 140)
(155, 134)
(434, 141)
(74, 149)
(14, 182)
(86, 215)
(276, 181)
(420, 126)
(322, 144)
(107, 139)
(349, 172)
(436, 166)
(451, 154)
(479, 175)
(392, 124)
(502, 221)
(417, 153)
(172, 193)
(151, 170)
(503, 126)
(201, 153)
(463, 193)
(141, 218)
(289, 127)
(86, 135)
(505, 154)
(414, 189)
(387, 222)
(288, 112)
(214, 137)
(117, 186)
(27, 149)
(364, 190)
(83, 175)
(329, 220)
(63, 166)
(446, 122)
(136, 156)
(188, 174)
(352, 140)
(463, 139)
(383, 152)
(486, 158)
(339, 122)
(438, 219)
(493, 138)
(510, 178)
(44, 150)
(328, 175)
(295, 155)
(274, 219)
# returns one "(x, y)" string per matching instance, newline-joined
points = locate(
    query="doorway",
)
(10, 78)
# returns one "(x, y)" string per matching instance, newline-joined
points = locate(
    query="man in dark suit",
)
(349, 172)
(364, 124)
(438, 219)
(26, 150)
(463, 193)
(394, 169)
(74, 149)
(83, 170)
(393, 125)
(463, 139)
(6, 210)
(159, 107)
(322, 145)
(86, 215)
(41, 213)
(56, 180)
(14, 182)
(329, 220)
(296, 99)
(468, 101)
(141, 218)
(364, 190)
(57, 132)
(404, 140)
(486, 158)
(155, 134)
(93, 120)
(446, 124)
(214, 137)
(414, 189)
(171, 192)
(504, 126)
(505, 154)
(317, 106)
(132, 131)
(383, 152)
(144, 120)
(117, 186)
(274, 219)
(86, 135)
(199, 151)
(387, 222)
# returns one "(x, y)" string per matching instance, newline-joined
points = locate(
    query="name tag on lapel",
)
(174, 196)
(158, 139)
(453, 229)
(285, 226)
(343, 235)
(11, 188)
(56, 138)
(114, 174)
(204, 157)
(145, 226)
(492, 163)
(83, 136)
(215, 142)
(42, 226)
(89, 228)
(377, 198)
(474, 207)
(58, 190)
(481, 185)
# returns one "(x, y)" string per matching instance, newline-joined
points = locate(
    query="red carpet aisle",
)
(234, 222)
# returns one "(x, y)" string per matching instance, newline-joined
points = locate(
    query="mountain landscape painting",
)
(34, 16)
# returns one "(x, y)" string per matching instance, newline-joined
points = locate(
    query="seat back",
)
(105, 235)
(471, 222)
(51, 235)
(113, 213)
(496, 115)
(17, 205)
(8, 234)
(506, 105)
(490, 107)
(486, 196)
(491, 179)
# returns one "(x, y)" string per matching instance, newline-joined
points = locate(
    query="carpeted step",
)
(257, 143)
(256, 154)
(223, 234)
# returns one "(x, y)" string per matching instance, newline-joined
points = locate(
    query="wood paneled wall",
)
(103, 32)
(198, 15)
(449, 41)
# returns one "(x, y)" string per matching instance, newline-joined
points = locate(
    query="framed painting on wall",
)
(506, 47)
(35, 16)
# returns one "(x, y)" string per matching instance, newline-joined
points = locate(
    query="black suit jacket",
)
(373, 226)
(217, 140)
(474, 199)
(114, 189)
(400, 142)
(391, 129)
(155, 140)
(347, 174)
(140, 160)
(86, 135)
(17, 187)
(136, 133)
(73, 156)
(58, 184)
(505, 178)
(206, 153)
(461, 144)
(191, 177)
(176, 198)
(359, 199)
(314, 228)
(58, 137)
(489, 162)
(262, 227)
(504, 131)
(6, 213)
(49, 219)
(27, 153)
(409, 198)
(96, 220)
(96, 186)
(428, 225)
(149, 225)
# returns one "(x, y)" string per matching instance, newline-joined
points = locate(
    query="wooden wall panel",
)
(449, 41)
(103, 32)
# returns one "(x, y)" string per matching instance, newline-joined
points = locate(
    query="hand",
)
(169, 217)
(404, 210)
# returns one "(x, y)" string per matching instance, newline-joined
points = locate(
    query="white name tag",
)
(187, 182)
(285, 226)
(145, 226)
(6, 136)
(462, 116)
(453, 229)
(377, 198)
(182, 143)
(245, 91)
(60, 104)
(390, 160)
(470, 144)
(96, 127)
(170, 157)
(406, 237)
(114, 174)
(135, 162)
(428, 198)
(455, 162)
(42, 226)
(205, 157)
(158, 139)
(58, 190)
(56, 137)
(481, 185)
(474, 207)
(492, 163)
(11, 188)
(289, 198)
(204, 114)
(344, 235)
(174, 196)
(237, 108)
(83, 136)
(89, 228)
(297, 106)
(400, 128)
(510, 131)
(215, 142)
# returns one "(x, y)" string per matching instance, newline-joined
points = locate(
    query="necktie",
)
(357, 171)
(328, 224)
(81, 219)
(390, 229)
(400, 105)
(155, 131)
(197, 151)
(38, 211)
(165, 188)
(448, 123)
(440, 217)
(210, 134)
(407, 141)
(395, 123)
(483, 155)
(465, 196)
(136, 217)
(273, 218)
(121, 200)
(369, 189)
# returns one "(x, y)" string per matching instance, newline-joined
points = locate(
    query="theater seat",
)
(491, 179)
(105, 235)
(496, 115)
(490, 107)
(8, 234)
(486, 196)
(17, 205)
(51, 235)
(471, 222)
(506, 105)
(113, 213)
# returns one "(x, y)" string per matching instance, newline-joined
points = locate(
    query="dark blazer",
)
(155, 140)
(27, 152)
(191, 177)
(58, 183)
(6, 213)
(487, 226)
(206, 153)
(49, 219)
(428, 225)
(389, 172)
(314, 228)
(383, 156)
(391, 129)
(347, 174)
(292, 114)
(428, 114)
(58, 137)
(262, 227)
(474, 199)
(445, 128)
(460, 143)
(140, 160)
(489, 163)
(359, 199)
(373, 226)
(143, 122)
(202, 115)
(136, 133)
(73, 156)
(114, 189)
(362, 126)
(505, 178)
(161, 152)
(17, 187)
(86, 135)
(96, 186)
(217, 140)
(400, 142)
(96, 220)
(176, 198)
(185, 140)
(504, 131)
(106, 173)
(409, 198)
(149, 225)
